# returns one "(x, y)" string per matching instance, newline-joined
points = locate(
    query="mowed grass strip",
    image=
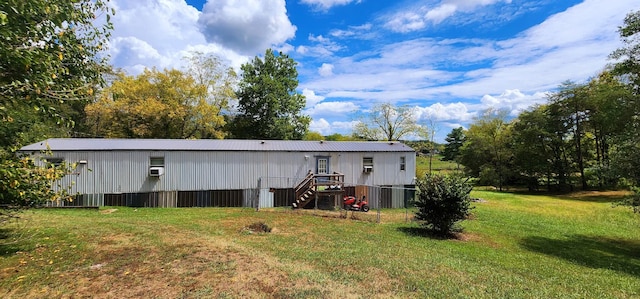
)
(437, 165)
(519, 246)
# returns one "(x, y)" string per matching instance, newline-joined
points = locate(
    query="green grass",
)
(514, 246)
(437, 165)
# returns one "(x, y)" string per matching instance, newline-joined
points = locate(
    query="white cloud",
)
(360, 31)
(440, 13)
(326, 70)
(322, 47)
(128, 51)
(513, 100)
(134, 46)
(248, 26)
(324, 127)
(332, 109)
(311, 97)
(344, 125)
(320, 125)
(159, 33)
(417, 17)
(443, 113)
(327, 4)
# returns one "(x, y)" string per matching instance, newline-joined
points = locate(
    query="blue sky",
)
(449, 59)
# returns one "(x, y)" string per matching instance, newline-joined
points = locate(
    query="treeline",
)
(585, 136)
(55, 81)
(207, 99)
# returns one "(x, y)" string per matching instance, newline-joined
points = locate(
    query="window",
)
(323, 165)
(156, 166)
(403, 163)
(156, 162)
(367, 164)
(54, 162)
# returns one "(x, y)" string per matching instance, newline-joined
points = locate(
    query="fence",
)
(279, 192)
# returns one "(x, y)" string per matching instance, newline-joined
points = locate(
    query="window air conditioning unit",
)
(367, 169)
(156, 171)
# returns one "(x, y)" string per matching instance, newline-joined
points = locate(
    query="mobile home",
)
(261, 173)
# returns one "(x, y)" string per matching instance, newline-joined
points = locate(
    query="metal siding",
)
(266, 198)
(397, 197)
(110, 172)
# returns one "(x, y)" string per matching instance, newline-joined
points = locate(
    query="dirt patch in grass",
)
(108, 211)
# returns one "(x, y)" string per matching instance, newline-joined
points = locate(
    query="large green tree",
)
(269, 107)
(539, 148)
(571, 103)
(611, 112)
(455, 140)
(628, 57)
(626, 157)
(486, 153)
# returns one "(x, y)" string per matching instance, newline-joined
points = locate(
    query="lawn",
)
(514, 246)
(437, 165)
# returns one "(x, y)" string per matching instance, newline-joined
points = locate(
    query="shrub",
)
(633, 201)
(442, 202)
(24, 184)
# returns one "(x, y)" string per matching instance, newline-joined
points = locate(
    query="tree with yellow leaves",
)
(155, 104)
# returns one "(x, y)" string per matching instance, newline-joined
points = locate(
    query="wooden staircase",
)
(317, 184)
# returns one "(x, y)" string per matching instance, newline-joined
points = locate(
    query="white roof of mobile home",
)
(99, 144)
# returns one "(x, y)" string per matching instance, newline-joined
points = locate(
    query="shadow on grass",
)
(10, 243)
(606, 197)
(594, 252)
(416, 231)
(586, 196)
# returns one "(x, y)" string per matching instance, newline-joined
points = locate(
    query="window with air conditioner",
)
(156, 166)
(367, 164)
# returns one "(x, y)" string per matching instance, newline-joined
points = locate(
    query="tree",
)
(218, 78)
(339, 137)
(571, 102)
(486, 153)
(168, 104)
(50, 54)
(311, 135)
(537, 148)
(454, 140)
(25, 184)
(50, 65)
(629, 56)
(626, 155)
(269, 106)
(442, 202)
(611, 114)
(387, 122)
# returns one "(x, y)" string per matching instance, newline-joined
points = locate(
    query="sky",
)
(448, 59)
